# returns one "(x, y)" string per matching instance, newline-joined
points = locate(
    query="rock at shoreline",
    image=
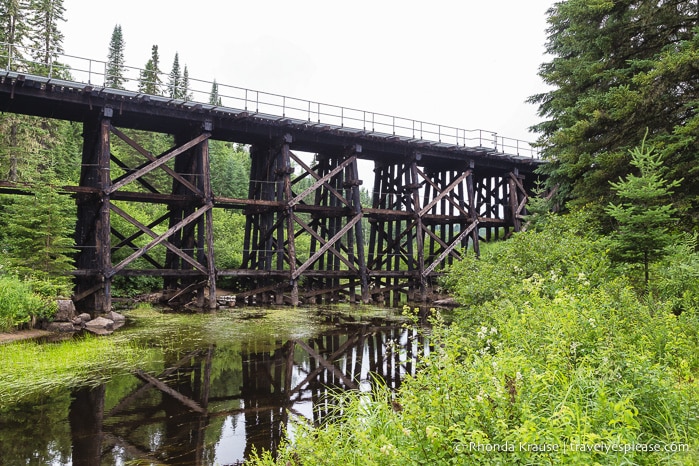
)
(66, 311)
(61, 327)
(116, 317)
(100, 326)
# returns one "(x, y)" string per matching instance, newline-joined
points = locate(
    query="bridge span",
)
(437, 192)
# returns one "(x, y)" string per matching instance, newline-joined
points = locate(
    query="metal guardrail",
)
(94, 72)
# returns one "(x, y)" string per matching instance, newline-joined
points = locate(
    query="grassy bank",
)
(558, 359)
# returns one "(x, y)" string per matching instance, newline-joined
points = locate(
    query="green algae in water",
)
(33, 371)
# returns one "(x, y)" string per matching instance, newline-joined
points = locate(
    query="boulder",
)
(100, 323)
(66, 311)
(60, 327)
(116, 317)
(85, 317)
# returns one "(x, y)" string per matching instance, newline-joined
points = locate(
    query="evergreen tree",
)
(615, 71)
(115, 60)
(644, 214)
(174, 83)
(45, 36)
(13, 31)
(214, 98)
(40, 228)
(149, 81)
(184, 92)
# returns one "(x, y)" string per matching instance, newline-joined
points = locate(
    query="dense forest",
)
(578, 339)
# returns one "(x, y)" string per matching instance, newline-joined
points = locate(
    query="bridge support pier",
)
(93, 228)
(111, 241)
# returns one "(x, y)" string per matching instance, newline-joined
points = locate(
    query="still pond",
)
(212, 387)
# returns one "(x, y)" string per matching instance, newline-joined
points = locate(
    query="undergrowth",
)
(557, 359)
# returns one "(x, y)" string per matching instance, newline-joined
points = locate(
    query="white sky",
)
(464, 63)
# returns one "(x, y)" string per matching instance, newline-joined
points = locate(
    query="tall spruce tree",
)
(645, 213)
(618, 67)
(214, 97)
(149, 81)
(13, 31)
(116, 64)
(45, 35)
(40, 228)
(184, 92)
(174, 81)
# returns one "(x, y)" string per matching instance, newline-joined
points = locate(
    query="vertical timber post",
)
(290, 234)
(419, 229)
(93, 229)
(473, 213)
(208, 216)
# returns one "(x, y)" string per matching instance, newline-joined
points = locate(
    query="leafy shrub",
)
(556, 360)
(20, 304)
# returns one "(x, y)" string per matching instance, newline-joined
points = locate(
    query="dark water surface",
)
(213, 387)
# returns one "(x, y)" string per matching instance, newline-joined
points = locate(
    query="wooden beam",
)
(313, 233)
(188, 402)
(325, 247)
(450, 199)
(444, 193)
(322, 181)
(152, 158)
(447, 251)
(162, 239)
(149, 167)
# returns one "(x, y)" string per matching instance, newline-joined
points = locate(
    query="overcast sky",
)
(464, 63)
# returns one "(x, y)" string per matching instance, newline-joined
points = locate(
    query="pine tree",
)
(13, 31)
(173, 86)
(644, 213)
(40, 229)
(149, 81)
(115, 60)
(214, 98)
(184, 92)
(606, 89)
(45, 36)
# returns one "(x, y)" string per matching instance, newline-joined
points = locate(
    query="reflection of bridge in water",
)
(197, 412)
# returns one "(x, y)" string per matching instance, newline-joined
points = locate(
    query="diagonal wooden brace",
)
(441, 195)
(313, 233)
(451, 247)
(450, 199)
(323, 181)
(149, 167)
(326, 246)
(152, 158)
(160, 239)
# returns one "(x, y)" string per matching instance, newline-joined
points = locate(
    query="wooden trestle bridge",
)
(436, 190)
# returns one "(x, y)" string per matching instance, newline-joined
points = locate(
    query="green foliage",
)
(116, 64)
(214, 97)
(20, 304)
(561, 355)
(149, 81)
(556, 251)
(677, 277)
(32, 369)
(38, 238)
(645, 214)
(46, 37)
(230, 170)
(618, 68)
(174, 82)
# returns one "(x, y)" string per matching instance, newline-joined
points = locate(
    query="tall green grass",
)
(31, 370)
